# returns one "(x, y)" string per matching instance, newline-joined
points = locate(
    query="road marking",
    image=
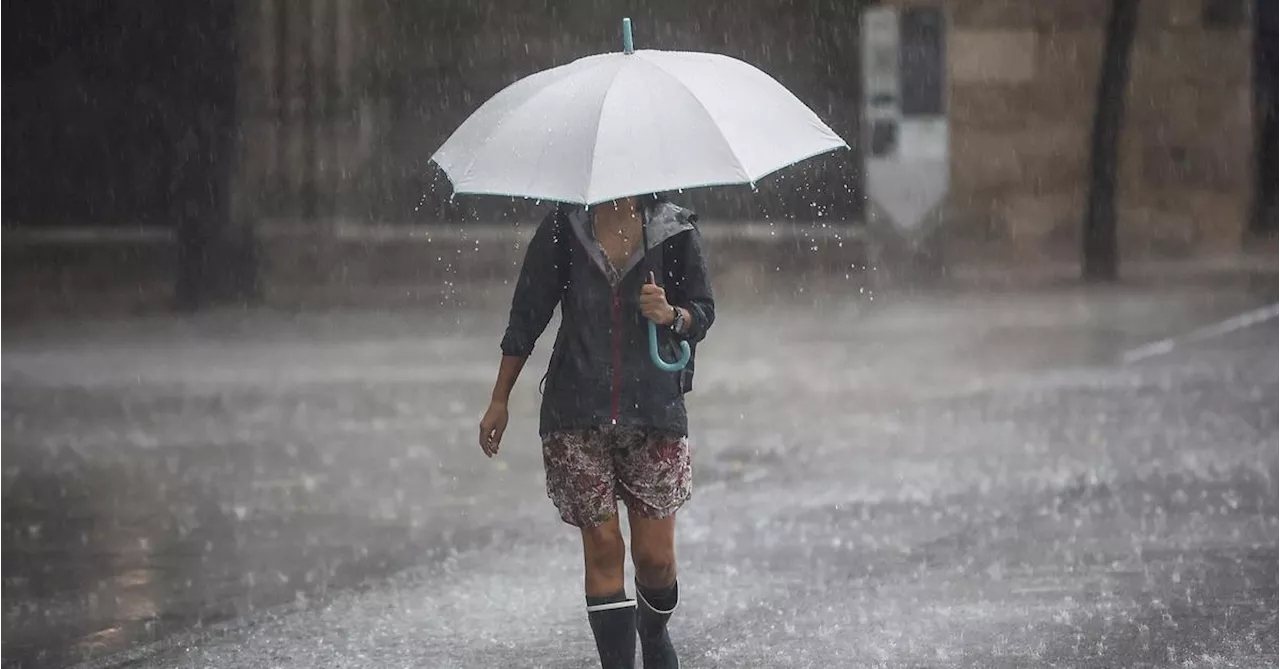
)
(1239, 322)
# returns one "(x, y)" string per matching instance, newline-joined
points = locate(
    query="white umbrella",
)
(620, 124)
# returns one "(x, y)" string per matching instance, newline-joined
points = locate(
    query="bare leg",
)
(612, 615)
(603, 552)
(653, 550)
(654, 553)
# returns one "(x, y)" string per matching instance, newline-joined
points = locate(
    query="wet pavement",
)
(926, 480)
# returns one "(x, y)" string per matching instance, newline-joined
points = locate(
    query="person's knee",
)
(605, 549)
(655, 564)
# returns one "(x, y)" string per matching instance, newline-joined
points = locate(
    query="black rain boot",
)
(613, 622)
(652, 612)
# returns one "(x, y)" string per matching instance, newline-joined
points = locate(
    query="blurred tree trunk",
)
(1100, 257)
(1263, 222)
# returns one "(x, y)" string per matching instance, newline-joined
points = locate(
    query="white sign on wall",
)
(905, 134)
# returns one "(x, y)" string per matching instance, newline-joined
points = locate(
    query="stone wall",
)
(1023, 77)
(1187, 164)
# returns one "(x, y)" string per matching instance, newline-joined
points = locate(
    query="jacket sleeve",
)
(537, 291)
(692, 286)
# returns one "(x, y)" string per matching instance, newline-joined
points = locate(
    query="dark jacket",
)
(600, 371)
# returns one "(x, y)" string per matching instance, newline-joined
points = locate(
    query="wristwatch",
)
(677, 325)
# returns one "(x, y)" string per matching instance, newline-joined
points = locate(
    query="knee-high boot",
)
(613, 622)
(652, 613)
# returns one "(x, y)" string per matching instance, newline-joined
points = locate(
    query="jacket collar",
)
(664, 220)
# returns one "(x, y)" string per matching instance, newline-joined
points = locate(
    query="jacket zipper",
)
(617, 355)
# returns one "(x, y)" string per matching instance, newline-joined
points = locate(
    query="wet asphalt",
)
(937, 479)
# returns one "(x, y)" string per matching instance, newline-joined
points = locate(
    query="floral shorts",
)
(589, 470)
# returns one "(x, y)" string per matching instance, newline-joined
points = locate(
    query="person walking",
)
(613, 424)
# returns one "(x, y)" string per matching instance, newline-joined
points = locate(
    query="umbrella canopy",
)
(615, 125)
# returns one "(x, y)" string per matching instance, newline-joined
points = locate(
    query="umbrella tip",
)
(627, 45)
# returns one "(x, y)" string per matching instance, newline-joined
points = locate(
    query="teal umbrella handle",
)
(657, 358)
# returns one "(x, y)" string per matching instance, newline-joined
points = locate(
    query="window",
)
(1224, 13)
(923, 61)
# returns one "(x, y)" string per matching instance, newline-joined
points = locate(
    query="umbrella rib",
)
(742, 168)
(465, 171)
(604, 99)
(591, 164)
(512, 113)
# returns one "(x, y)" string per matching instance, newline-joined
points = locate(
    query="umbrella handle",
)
(657, 358)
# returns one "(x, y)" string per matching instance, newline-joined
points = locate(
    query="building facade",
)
(1023, 87)
(342, 103)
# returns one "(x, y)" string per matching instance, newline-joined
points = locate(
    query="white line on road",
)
(1238, 322)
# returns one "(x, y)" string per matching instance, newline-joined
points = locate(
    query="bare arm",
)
(494, 422)
(508, 372)
(536, 295)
